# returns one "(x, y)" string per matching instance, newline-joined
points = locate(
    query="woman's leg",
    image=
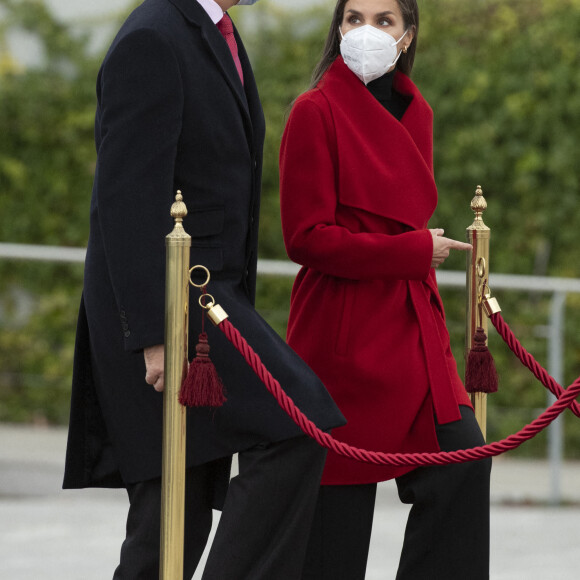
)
(339, 541)
(447, 535)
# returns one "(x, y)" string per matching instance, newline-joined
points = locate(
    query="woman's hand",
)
(442, 246)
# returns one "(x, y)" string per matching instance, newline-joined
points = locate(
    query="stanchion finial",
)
(478, 205)
(178, 209)
(178, 212)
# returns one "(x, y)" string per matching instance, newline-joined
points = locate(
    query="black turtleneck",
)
(382, 90)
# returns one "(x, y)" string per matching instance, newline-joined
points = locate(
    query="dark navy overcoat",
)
(172, 114)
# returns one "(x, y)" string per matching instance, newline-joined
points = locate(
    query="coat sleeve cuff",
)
(411, 256)
(137, 343)
(425, 252)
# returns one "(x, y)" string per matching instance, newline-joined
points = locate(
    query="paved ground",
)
(49, 534)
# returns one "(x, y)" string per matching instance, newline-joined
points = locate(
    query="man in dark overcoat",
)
(178, 109)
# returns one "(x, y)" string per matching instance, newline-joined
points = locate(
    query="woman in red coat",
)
(357, 192)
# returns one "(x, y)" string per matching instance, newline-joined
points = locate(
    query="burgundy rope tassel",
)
(202, 386)
(480, 373)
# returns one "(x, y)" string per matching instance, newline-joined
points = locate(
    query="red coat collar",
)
(386, 166)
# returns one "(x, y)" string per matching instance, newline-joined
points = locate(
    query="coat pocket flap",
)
(204, 222)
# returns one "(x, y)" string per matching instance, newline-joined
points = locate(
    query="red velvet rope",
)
(528, 360)
(399, 459)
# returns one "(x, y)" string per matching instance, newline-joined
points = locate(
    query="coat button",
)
(125, 326)
(127, 333)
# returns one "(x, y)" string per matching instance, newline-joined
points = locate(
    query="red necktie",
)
(226, 27)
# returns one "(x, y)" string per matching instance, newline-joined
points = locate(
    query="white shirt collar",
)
(213, 9)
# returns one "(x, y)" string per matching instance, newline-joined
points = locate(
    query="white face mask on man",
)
(246, 2)
(369, 52)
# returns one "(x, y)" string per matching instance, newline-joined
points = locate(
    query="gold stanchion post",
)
(178, 244)
(478, 235)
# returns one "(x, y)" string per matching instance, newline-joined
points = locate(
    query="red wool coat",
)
(357, 191)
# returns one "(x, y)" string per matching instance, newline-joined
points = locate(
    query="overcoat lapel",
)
(252, 98)
(220, 53)
(385, 165)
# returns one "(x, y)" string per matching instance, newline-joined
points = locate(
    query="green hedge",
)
(503, 79)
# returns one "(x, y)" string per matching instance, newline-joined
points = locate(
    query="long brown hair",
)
(410, 12)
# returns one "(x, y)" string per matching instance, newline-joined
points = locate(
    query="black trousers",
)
(264, 527)
(447, 534)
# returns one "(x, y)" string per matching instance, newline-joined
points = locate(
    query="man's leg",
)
(447, 535)
(140, 550)
(264, 527)
(338, 547)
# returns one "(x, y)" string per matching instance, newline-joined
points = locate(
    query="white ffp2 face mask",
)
(369, 52)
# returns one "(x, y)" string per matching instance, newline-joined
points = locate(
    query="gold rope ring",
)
(204, 284)
(481, 267)
(209, 305)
